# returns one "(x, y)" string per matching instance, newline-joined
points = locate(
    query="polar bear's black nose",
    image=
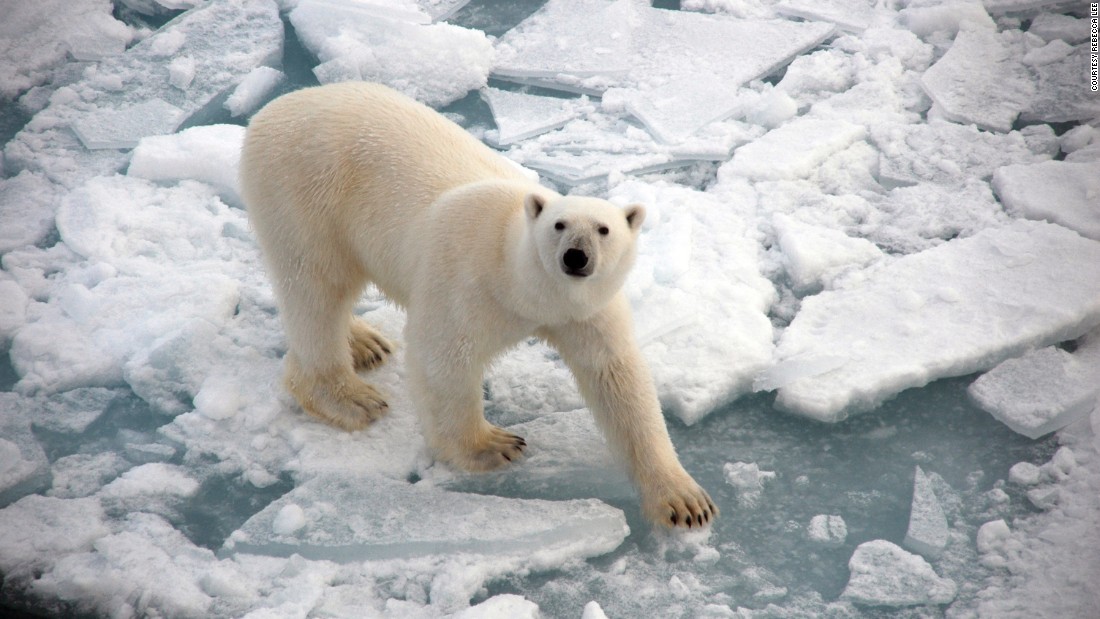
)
(575, 260)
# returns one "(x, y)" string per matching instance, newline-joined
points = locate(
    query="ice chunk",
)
(1024, 474)
(697, 368)
(253, 90)
(793, 150)
(749, 481)
(912, 321)
(911, 219)
(27, 203)
(593, 610)
(882, 574)
(435, 64)
(848, 15)
(81, 475)
(359, 518)
(32, 47)
(210, 154)
(1042, 391)
(13, 308)
(816, 255)
(29, 531)
(927, 533)
(992, 535)
(1051, 26)
(927, 19)
(225, 39)
(1000, 7)
(946, 153)
(827, 530)
(23, 464)
(123, 128)
(1060, 97)
(980, 80)
(520, 116)
(440, 10)
(503, 606)
(72, 412)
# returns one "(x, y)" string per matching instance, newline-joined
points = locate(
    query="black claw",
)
(699, 519)
(506, 457)
(673, 518)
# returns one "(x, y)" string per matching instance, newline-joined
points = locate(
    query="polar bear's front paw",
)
(368, 348)
(679, 504)
(350, 404)
(490, 449)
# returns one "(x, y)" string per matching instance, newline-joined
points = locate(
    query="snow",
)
(885, 575)
(928, 531)
(829, 217)
(1042, 391)
(909, 322)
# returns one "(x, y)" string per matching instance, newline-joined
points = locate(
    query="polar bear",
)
(353, 183)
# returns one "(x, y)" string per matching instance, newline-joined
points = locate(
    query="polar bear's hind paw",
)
(368, 348)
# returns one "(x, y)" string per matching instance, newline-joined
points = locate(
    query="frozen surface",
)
(122, 128)
(1044, 390)
(1057, 191)
(342, 518)
(144, 422)
(520, 116)
(909, 322)
(928, 532)
(883, 574)
(981, 80)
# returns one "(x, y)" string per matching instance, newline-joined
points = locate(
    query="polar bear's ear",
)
(533, 204)
(635, 215)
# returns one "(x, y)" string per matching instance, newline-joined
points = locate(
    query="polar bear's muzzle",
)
(576, 262)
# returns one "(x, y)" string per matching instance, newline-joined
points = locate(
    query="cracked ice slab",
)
(981, 80)
(883, 574)
(927, 533)
(225, 40)
(1057, 191)
(1042, 391)
(959, 308)
(847, 15)
(342, 518)
(793, 150)
(520, 116)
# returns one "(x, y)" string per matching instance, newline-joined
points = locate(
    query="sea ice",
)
(13, 308)
(73, 412)
(360, 518)
(926, 19)
(123, 128)
(1051, 26)
(81, 475)
(749, 481)
(27, 202)
(981, 80)
(33, 48)
(1042, 391)
(1060, 95)
(253, 90)
(827, 530)
(912, 320)
(794, 150)
(946, 153)
(1000, 7)
(520, 116)
(433, 63)
(23, 465)
(928, 532)
(1024, 474)
(209, 154)
(848, 15)
(226, 40)
(815, 256)
(29, 532)
(882, 574)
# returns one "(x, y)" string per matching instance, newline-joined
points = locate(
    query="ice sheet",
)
(520, 116)
(827, 530)
(123, 128)
(363, 518)
(1051, 26)
(911, 321)
(23, 465)
(927, 533)
(816, 255)
(210, 154)
(885, 575)
(226, 40)
(981, 80)
(1055, 191)
(1059, 95)
(435, 63)
(848, 15)
(253, 90)
(1044, 390)
(927, 19)
(794, 150)
(26, 209)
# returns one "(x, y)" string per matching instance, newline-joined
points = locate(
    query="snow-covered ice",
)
(910, 321)
(928, 531)
(845, 201)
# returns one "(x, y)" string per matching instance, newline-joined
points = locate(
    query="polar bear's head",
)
(585, 241)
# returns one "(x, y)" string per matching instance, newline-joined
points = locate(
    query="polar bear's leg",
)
(319, 363)
(448, 396)
(618, 388)
(368, 348)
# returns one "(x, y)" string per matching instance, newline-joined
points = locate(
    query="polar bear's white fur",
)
(354, 183)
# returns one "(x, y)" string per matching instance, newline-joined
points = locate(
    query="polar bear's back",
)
(353, 168)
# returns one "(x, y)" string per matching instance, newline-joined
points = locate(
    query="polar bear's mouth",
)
(575, 262)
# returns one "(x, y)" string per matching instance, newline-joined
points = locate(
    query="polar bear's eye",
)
(559, 225)
(604, 231)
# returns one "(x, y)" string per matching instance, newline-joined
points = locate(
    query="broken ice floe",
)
(928, 532)
(749, 481)
(1044, 390)
(981, 80)
(254, 89)
(883, 574)
(209, 154)
(360, 518)
(1057, 191)
(913, 320)
(225, 39)
(23, 465)
(433, 63)
(848, 15)
(815, 256)
(794, 150)
(520, 116)
(827, 530)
